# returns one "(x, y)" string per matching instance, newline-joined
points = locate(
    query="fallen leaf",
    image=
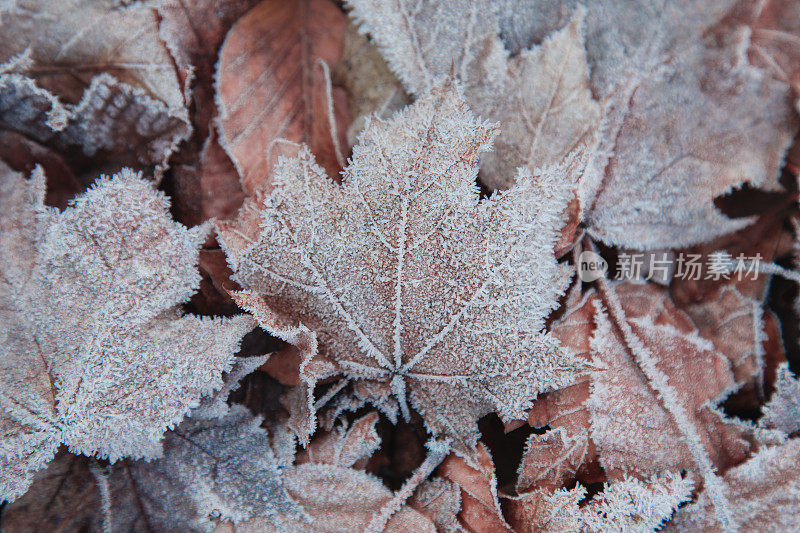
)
(193, 31)
(719, 122)
(480, 504)
(112, 121)
(541, 95)
(439, 500)
(550, 459)
(97, 355)
(335, 499)
(344, 446)
(262, 99)
(370, 85)
(633, 431)
(73, 41)
(626, 505)
(408, 281)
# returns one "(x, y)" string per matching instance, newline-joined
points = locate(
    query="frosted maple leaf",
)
(413, 287)
(676, 103)
(95, 352)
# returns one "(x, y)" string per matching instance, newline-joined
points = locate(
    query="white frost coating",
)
(764, 490)
(410, 281)
(681, 107)
(671, 401)
(541, 96)
(227, 467)
(95, 353)
(783, 409)
(632, 505)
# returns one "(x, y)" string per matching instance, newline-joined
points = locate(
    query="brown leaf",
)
(632, 430)
(439, 500)
(344, 446)
(626, 505)
(114, 123)
(480, 506)
(775, 39)
(734, 324)
(193, 31)
(545, 511)
(550, 459)
(270, 85)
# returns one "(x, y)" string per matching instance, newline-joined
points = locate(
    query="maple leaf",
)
(218, 463)
(765, 491)
(227, 467)
(626, 505)
(96, 353)
(411, 284)
(541, 95)
(735, 325)
(718, 122)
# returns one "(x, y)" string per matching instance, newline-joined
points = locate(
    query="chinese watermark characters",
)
(662, 267)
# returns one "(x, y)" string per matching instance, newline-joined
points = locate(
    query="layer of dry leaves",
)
(306, 265)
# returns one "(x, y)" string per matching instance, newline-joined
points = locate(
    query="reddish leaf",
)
(270, 84)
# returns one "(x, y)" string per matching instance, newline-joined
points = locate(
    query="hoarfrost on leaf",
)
(765, 491)
(408, 281)
(541, 95)
(719, 122)
(626, 505)
(96, 353)
(783, 409)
